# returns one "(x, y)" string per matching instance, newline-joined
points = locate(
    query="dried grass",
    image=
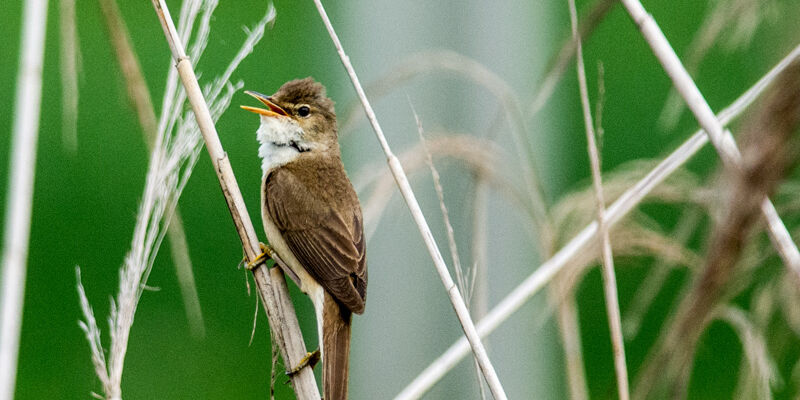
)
(175, 153)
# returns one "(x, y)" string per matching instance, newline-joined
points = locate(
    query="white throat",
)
(281, 140)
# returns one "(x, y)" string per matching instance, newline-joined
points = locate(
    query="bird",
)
(312, 217)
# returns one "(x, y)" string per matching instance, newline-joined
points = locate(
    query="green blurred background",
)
(85, 203)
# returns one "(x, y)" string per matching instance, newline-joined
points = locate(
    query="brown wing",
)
(322, 225)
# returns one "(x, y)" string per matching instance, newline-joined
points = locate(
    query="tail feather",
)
(335, 349)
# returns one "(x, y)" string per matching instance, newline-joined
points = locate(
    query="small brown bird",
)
(312, 216)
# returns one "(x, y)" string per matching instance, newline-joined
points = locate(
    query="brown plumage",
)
(312, 216)
(320, 224)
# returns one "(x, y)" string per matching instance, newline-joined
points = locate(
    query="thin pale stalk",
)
(609, 277)
(565, 54)
(584, 240)
(479, 156)
(721, 139)
(474, 71)
(480, 296)
(135, 84)
(179, 249)
(573, 353)
(405, 188)
(19, 205)
(650, 287)
(272, 286)
(462, 280)
(68, 57)
(761, 373)
(92, 333)
(437, 184)
(480, 275)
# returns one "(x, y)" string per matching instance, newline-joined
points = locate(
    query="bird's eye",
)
(303, 111)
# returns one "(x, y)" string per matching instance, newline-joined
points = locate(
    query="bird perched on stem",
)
(312, 216)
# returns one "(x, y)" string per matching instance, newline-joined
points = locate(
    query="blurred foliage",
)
(85, 202)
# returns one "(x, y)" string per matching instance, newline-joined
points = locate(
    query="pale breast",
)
(274, 134)
(306, 283)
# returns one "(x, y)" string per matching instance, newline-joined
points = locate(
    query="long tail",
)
(335, 349)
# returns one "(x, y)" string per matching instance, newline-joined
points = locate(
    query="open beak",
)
(273, 111)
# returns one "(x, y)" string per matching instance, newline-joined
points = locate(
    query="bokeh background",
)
(85, 202)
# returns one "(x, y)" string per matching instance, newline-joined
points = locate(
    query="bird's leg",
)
(266, 254)
(311, 359)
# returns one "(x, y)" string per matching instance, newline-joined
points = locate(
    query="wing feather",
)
(322, 229)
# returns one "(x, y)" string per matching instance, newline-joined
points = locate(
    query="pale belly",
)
(307, 283)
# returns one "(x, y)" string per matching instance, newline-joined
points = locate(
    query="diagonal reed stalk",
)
(609, 277)
(721, 19)
(271, 283)
(584, 240)
(405, 188)
(721, 139)
(17, 229)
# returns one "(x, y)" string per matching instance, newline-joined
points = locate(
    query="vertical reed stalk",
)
(609, 277)
(17, 230)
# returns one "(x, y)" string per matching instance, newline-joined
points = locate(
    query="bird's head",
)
(298, 114)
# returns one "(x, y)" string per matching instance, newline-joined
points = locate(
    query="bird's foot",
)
(311, 359)
(266, 254)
